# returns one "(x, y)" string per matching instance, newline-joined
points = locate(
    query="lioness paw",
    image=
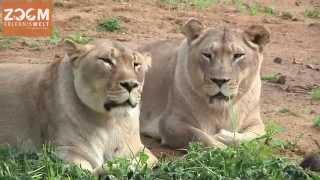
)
(229, 138)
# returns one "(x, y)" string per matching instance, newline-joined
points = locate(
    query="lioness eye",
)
(237, 56)
(107, 61)
(207, 55)
(137, 66)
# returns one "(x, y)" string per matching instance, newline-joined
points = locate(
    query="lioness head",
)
(222, 64)
(107, 75)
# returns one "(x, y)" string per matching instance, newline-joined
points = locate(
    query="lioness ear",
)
(75, 50)
(148, 60)
(145, 57)
(192, 29)
(258, 35)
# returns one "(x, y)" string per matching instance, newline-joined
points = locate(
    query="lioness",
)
(87, 105)
(205, 88)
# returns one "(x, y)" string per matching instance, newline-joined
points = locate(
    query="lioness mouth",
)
(219, 96)
(112, 104)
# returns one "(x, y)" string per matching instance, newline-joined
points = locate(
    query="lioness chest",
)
(111, 138)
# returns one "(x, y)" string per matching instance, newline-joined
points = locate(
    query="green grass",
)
(272, 129)
(79, 38)
(315, 94)
(240, 5)
(316, 121)
(284, 110)
(6, 42)
(271, 77)
(55, 38)
(200, 4)
(253, 160)
(32, 44)
(312, 13)
(253, 9)
(256, 9)
(37, 166)
(109, 25)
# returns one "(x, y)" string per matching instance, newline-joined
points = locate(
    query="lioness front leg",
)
(80, 161)
(236, 138)
(86, 165)
(251, 128)
(74, 156)
(178, 134)
(152, 160)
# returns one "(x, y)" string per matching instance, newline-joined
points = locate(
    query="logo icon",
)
(26, 18)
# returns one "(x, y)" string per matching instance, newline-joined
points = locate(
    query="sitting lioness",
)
(86, 105)
(205, 88)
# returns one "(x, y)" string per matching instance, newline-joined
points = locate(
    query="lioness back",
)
(160, 76)
(18, 83)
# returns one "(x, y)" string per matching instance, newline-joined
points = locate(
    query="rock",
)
(294, 61)
(58, 4)
(312, 162)
(309, 66)
(312, 111)
(281, 79)
(124, 19)
(122, 39)
(286, 15)
(297, 3)
(75, 18)
(277, 60)
(315, 25)
(86, 9)
(63, 4)
(271, 21)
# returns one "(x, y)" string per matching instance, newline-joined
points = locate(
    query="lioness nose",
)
(220, 82)
(129, 85)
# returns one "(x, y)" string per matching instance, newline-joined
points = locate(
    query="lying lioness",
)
(205, 88)
(87, 105)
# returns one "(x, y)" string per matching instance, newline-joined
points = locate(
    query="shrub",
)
(6, 42)
(201, 4)
(55, 38)
(79, 38)
(316, 121)
(312, 13)
(315, 94)
(110, 25)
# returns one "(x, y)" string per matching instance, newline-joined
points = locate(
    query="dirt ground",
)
(295, 40)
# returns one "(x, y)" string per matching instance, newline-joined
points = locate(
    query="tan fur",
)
(179, 103)
(64, 104)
